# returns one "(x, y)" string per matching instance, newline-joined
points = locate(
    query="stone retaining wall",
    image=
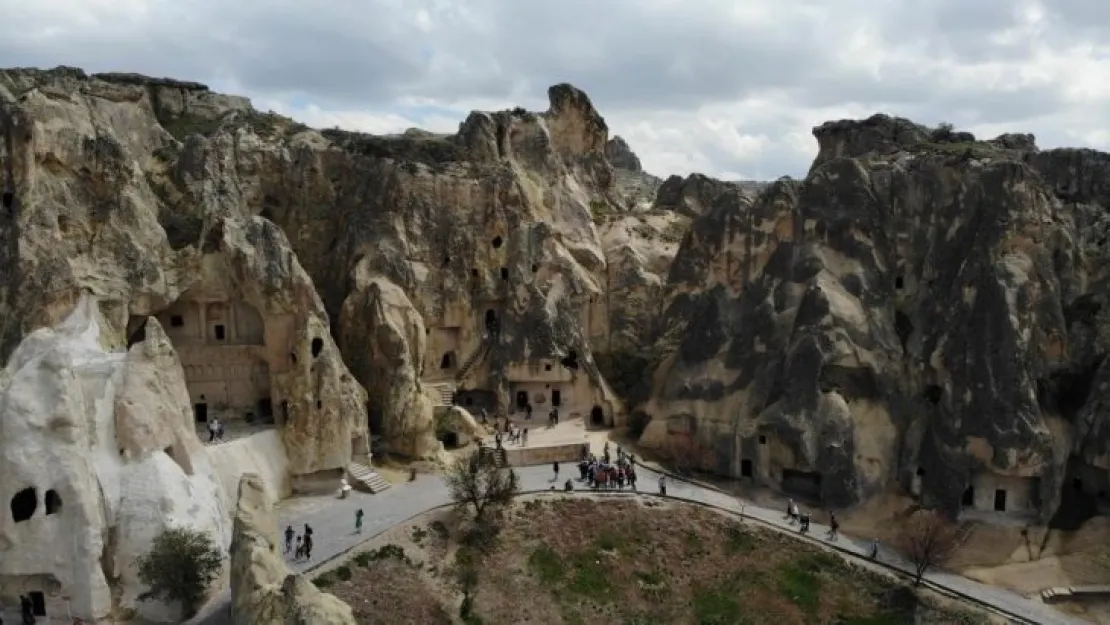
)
(528, 456)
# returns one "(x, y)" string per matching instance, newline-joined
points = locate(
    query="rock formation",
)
(922, 310)
(263, 590)
(97, 456)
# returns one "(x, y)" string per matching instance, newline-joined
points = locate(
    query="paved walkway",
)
(333, 523)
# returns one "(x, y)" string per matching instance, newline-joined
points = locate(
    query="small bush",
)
(419, 534)
(799, 583)
(440, 529)
(716, 606)
(343, 573)
(181, 565)
(324, 580)
(363, 559)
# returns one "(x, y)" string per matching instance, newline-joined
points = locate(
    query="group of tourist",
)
(803, 520)
(604, 473)
(303, 545)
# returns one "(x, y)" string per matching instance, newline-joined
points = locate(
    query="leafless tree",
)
(928, 539)
(480, 485)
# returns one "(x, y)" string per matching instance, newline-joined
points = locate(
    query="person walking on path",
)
(834, 526)
(662, 485)
(289, 533)
(555, 466)
(358, 521)
(308, 546)
(213, 429)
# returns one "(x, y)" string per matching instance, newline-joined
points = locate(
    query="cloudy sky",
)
(727, 87)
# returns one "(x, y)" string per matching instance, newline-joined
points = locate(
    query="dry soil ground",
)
(621, 561)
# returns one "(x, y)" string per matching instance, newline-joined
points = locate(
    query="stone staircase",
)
(495, 455)
(444, 391)
(474, 358)
(366, 477)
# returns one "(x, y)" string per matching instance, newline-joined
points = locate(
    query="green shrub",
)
(180, 566)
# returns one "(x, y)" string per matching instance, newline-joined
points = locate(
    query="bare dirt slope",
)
(623, 561)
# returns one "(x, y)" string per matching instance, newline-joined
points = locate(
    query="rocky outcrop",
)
(621, 156)
(97, 457)
(921, 310)
(385, 337)
(263, 590)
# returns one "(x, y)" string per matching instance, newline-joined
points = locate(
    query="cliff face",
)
(511, 241)
(922, 309)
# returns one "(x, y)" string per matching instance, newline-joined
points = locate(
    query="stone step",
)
(367, 477)
(444, 391)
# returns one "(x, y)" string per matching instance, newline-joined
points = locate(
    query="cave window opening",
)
(9, 199)
(293, 357)
(220, 331)
(24, 503)
(447, 361)
(177, 321)
(899, 283)
(200, 412)
(53, 502)
(474, 272)
(504, 273)
(265, 407)
(491, 320)
(968, 499)
(535, 268)
(597, 416)
(745, 468)
(571, 360)
(317, 346)
(496, 242)
(547, 367)
(556, 398)
(139, 335)
(920, 472)
(446, 261)
(38, 603)
(762, 439)
(1077, 484)
(933, 394)
(521, 399)
(319, 404)
(1000, 500)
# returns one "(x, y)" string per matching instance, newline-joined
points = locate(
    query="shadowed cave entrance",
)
(805, 484)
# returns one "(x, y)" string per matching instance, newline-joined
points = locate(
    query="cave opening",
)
(597, 416)
(504, 273)
(53, 502)
(571, 360)
(496, 242)
(450, 440)
(904, 327)
(137, 330)
(446, 261)
(933, 394)
(535, 267)
(23, 505)
(221, 332)
(448, 361)
(317, 346)
(474, 272)
(805, 484)
(177, 321)
(9, 199)
(899, 283)
(968, 498)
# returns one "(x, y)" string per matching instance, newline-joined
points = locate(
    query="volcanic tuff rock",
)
(97, 457)
(263, 590)
(156, 193)
(923, 308)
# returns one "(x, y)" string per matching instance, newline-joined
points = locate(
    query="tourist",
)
(307, 530)
(26, 608)
(219, 431)
(497, 438)
(803, 525)
(791, 511)
(555, 466)
(484, 416)
(632, 478)
(662, 485)
(834, 526)
(299, 553)
(358, 521)
(568, 486)
(308, 546)
(524, 437)
(212, 429)
(289, 534)
(874, 555)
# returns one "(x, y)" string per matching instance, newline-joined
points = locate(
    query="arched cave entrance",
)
(448, 361)
(450, 440)
(24, 503)
(317, 346)
(597, 416)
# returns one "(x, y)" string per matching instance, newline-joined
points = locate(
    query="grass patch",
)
(419, 534)
(591, 577)
(363, 559)
(323, 581)
(717, 606)
(546, 564)
(738, 539)
(800, 584)
(343, 573)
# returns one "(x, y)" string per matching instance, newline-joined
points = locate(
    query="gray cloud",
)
(640, 61)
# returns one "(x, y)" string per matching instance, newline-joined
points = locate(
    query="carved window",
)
(53, 502)
(177, 321)
(220, 332)
(24, 504)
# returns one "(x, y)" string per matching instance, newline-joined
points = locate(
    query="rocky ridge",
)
(922, 312)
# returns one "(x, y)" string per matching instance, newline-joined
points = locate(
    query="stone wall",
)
(529, 456)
